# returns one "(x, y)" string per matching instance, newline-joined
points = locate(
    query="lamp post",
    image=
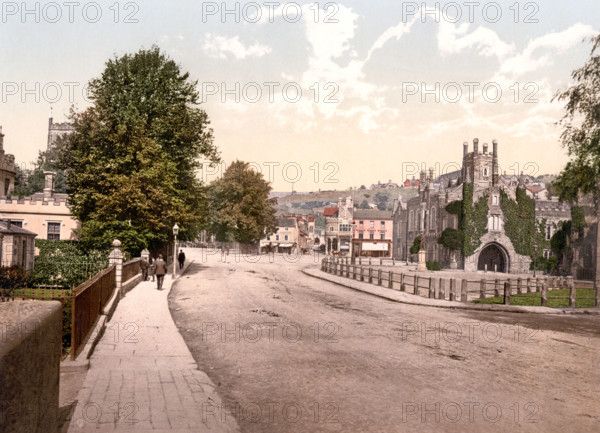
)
(535, 250)
(352, 252)
(175, 232)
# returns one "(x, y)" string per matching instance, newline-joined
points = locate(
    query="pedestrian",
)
(181, 259)
(144, 265)
(152, 267)
(160, 271)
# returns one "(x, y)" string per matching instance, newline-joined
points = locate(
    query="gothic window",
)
(411, 220)
(432, 222)
(486, 171)
(494, 199)
(548, 232)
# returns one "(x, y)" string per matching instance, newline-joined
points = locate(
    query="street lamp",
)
(175, 232)
(535, 250)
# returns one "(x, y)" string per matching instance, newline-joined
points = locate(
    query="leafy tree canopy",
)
(240, 208)
(132, 159)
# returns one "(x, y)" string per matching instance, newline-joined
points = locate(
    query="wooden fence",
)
(89, 299)
(459, 289)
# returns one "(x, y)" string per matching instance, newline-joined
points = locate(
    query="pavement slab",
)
(142, 377)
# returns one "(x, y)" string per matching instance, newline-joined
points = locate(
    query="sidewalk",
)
(143, 378)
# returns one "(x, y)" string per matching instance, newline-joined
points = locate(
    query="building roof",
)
(535, 188)
(286, 222)
(330, 211)
(372, 214)
(14, 230)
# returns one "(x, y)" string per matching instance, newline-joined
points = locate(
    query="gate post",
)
(116, 257)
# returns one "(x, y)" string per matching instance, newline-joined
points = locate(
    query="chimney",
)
(49, 184)
(485, 148)
(495, 162)
(475, 146)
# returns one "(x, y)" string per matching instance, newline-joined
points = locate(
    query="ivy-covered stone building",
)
(473, 221)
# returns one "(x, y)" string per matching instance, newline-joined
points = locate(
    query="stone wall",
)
(30, 349)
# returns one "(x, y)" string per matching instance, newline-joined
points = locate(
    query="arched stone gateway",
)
(495, 257)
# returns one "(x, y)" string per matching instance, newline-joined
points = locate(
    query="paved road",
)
(290, 353)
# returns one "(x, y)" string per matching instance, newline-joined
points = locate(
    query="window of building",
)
(345, 227)
(411, 220)
(6, 186)
(310, 229)
(548, 232)
(285, 238)
(382, 223)
(494, 199)
(361, 235)
(547, 254)
(276, 237)
(371, 223)
(330, 228)
(268, 238)
(54, 231)
(382, 235)
(18, 223)
(486, 171)
(432, 222)
(360, 223)
(371, 235)
(495, 222)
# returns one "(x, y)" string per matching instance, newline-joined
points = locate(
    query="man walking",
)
(160, 271)
(181, 259)
(144, 265)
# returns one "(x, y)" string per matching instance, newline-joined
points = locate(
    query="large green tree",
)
(240, 207)
(581, 137)
(132, 159)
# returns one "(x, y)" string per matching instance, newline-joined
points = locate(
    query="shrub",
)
(433, 266)
(13, 277)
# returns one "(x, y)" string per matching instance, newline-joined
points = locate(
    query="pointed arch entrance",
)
(493, 257)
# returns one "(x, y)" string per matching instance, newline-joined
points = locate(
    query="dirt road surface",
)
(291, 353)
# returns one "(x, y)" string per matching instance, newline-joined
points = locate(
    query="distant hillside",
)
(313, 203)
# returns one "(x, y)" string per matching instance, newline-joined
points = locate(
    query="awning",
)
(370, 246)
(266, 244)
(345, 247)
(286, 245)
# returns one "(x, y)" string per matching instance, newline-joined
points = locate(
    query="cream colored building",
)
(45, 214)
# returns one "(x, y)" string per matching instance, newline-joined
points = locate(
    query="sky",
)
(318, 95)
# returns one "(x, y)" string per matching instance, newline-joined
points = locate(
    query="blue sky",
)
(319, 94)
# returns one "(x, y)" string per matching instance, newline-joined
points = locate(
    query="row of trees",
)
(131, 164)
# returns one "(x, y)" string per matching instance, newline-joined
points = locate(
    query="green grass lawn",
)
(535, 299)
(42, 294)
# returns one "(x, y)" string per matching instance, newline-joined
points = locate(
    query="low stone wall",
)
(30, 349)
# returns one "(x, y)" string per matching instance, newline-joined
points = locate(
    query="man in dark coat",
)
(160, 271)
(181, 259)
(144, 265)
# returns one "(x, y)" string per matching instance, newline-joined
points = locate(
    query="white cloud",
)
(219, 46)
(531, 58)
(453, 39)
